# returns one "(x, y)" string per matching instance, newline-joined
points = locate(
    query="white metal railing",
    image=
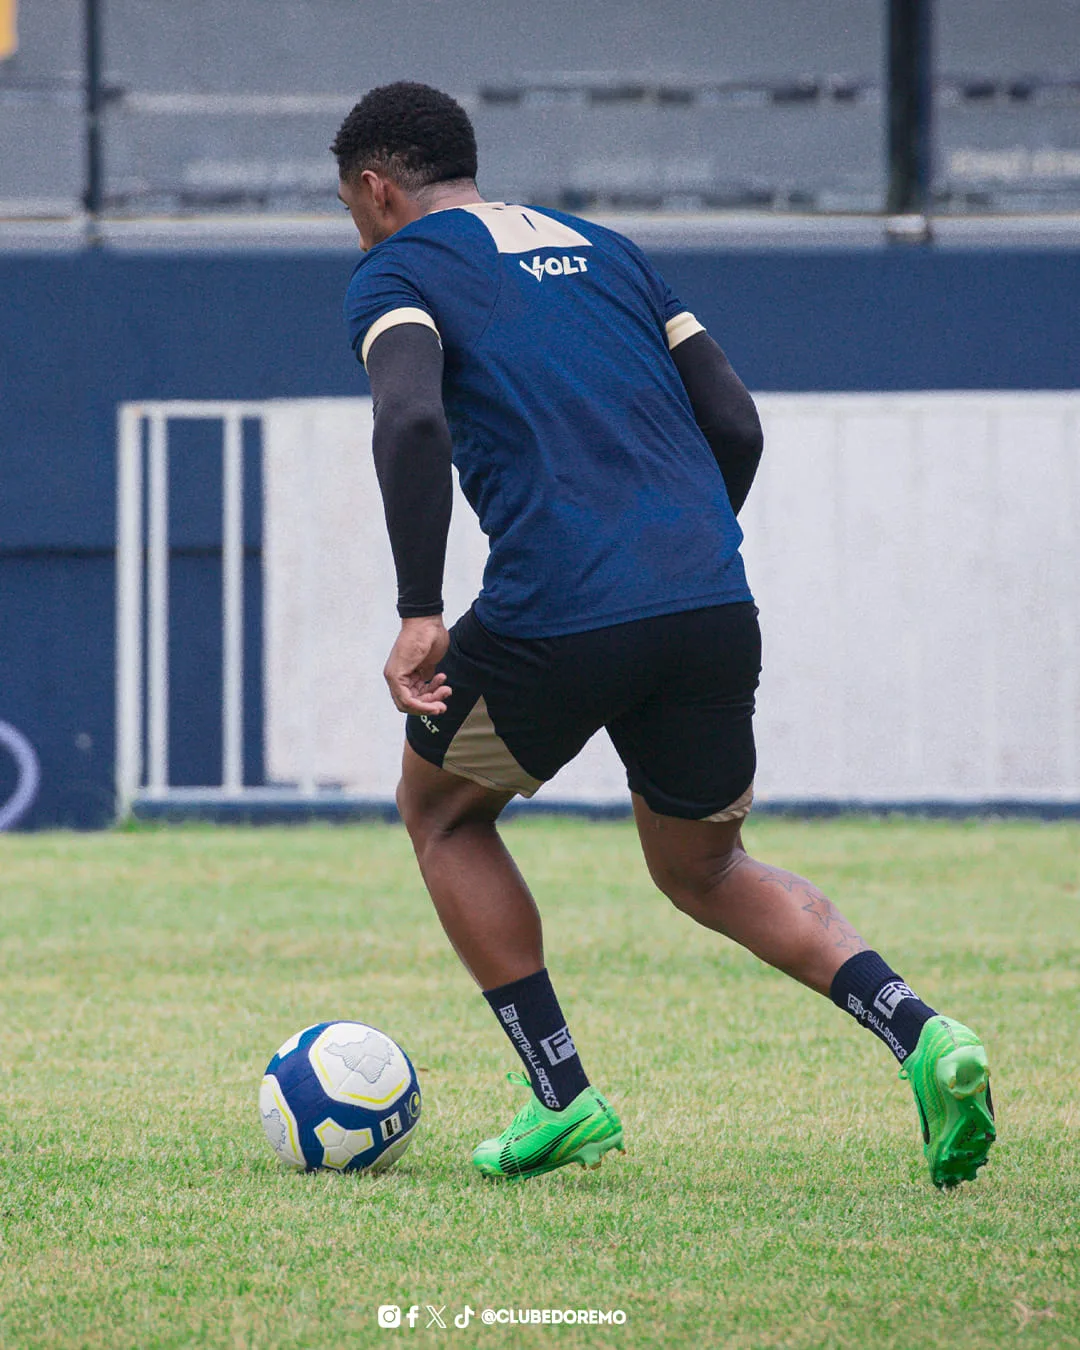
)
(142, 566)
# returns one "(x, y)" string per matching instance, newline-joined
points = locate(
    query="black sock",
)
(529, 1013)
(880, 1000)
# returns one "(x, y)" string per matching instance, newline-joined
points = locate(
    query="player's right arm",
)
(723, 409)
(392, 330)
(412, 451)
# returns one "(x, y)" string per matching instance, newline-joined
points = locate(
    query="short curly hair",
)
(411, 132)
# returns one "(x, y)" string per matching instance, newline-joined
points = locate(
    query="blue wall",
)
(81, 333)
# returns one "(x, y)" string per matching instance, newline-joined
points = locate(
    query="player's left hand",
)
(411, 672)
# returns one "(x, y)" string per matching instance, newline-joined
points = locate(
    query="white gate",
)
(142, 566)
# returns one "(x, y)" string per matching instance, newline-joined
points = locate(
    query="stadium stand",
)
(41, 120)
(226, 107)
(633, 107)
(1008, 105)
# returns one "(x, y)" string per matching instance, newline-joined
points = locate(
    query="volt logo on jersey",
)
(554, 267)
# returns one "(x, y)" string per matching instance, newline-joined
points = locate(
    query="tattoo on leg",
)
(830, 918)
(787, 881)
(819, 907)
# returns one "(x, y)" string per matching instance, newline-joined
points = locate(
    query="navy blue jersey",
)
(572, 433)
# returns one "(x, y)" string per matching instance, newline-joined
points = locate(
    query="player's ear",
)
(376, 186)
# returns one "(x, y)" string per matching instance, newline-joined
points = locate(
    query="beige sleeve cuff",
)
(681, 327)
(391, 319)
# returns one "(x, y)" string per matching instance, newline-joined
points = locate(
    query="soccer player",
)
(606, 445)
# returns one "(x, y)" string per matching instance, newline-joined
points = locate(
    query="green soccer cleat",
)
(949, 1076)
(538, 1139)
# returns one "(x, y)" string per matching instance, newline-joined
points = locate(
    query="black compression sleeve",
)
(724, 411)
(412, 460)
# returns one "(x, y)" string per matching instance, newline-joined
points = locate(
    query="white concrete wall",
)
(916, 560)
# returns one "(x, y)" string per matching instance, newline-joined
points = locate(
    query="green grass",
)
(774, 1193)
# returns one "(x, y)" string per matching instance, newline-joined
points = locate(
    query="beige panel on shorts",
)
(478, 752)
(739, 808)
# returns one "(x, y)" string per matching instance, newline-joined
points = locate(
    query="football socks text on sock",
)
(529, 1013)
(877, 997)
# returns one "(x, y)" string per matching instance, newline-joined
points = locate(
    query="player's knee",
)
(407, 805)
(431, 818)
(691, 883)
(689, 895)
(421, 816)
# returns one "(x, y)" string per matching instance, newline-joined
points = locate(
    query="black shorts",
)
(675, 693)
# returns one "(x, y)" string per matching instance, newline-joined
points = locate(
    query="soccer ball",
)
(340, 1095)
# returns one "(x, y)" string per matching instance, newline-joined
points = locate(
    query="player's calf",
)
(785, 920)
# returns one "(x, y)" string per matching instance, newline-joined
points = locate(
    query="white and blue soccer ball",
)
(340, 1095)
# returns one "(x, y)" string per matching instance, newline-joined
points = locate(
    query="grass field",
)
(773, 1193)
